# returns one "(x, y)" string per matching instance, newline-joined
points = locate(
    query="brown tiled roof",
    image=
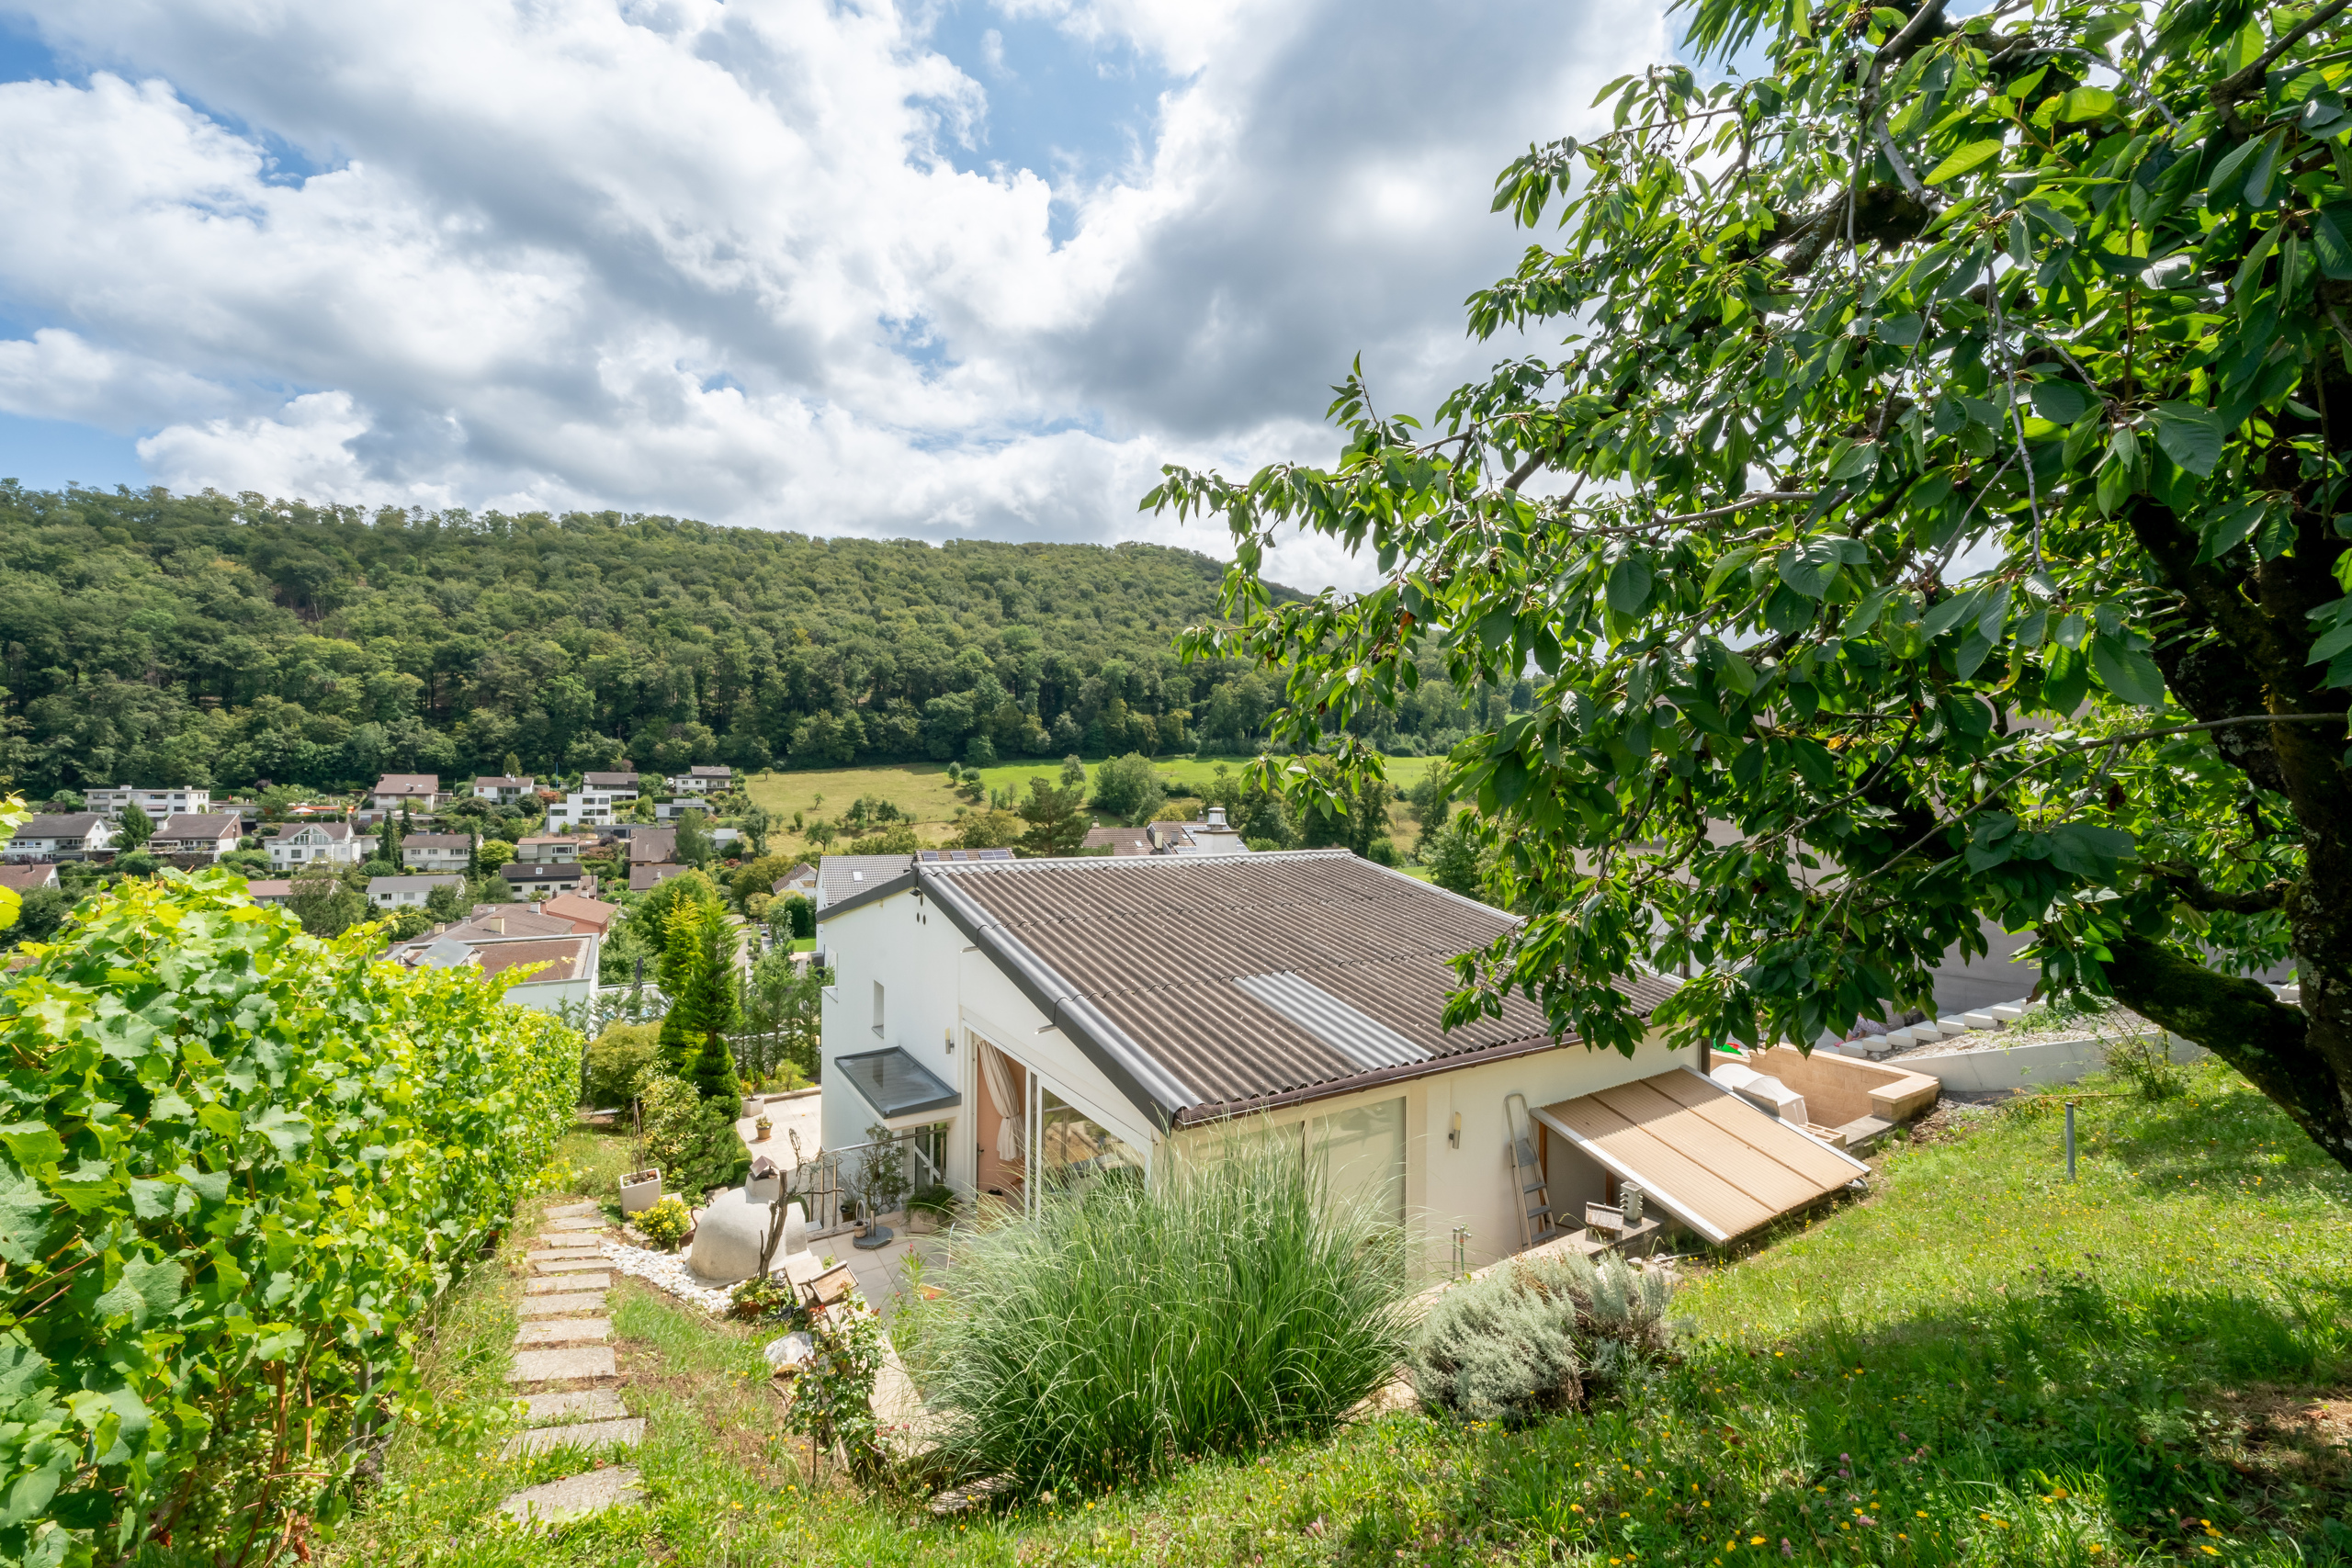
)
(1211, 984)
(437, 841)
(653, 845)
(408, 784)
(1119, 841)
(565, 958)
(207, 825)
(641, 877)
(25, 878)
(582, 911)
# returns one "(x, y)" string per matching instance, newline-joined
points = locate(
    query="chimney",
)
(1217, 817)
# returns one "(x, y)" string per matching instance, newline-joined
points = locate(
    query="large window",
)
(1362, 1153)
(1072, 1148)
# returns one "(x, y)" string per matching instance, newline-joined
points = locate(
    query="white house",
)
(584, 808)
(70, 835)
(701, 780)
(308, 843)
(620, 786)
(545, 879)
(107, 801)
(407, 892)
(209, 834)
(436, 852)
(543, 849)
(1046, 1020)
(504, 790)
(565, 965)
(418, 792)
(671, 810)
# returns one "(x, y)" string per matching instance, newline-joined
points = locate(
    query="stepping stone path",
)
(563, 1319)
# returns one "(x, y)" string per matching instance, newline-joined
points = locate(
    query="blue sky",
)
(911, 270)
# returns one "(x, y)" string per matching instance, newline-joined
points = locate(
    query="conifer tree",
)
(697, 975)
(390, 841)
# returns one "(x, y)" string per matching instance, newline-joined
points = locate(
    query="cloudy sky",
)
(975, 267)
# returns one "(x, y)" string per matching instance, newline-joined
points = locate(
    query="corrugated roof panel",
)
(1365, 1041)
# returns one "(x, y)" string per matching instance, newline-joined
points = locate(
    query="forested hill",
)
(202, 640)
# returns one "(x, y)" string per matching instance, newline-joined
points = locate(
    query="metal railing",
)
(838, 1188)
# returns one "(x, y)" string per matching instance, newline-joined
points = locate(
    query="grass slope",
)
(1976, 1364)
(922, 788)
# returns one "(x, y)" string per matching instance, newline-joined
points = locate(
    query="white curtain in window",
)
(1012, 1134)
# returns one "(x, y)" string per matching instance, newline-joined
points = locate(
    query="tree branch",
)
(2231, 88)
(2191, 890)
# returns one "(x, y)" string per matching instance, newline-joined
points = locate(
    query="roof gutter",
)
(1146, 1085)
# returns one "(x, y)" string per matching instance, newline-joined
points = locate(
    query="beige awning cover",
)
(1711, 1160)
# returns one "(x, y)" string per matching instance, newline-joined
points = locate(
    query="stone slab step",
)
(564, 1331)
(566, 1244)
(570, 1265)
(562, 1282)
(575, 1222)
(1980, 1020)
(2007, 1013)
(625, 1434)
(1864, 1133)
(573, 1404)
(574, 1363)
(574, 1211)
(575, 1495)
(559, 1307)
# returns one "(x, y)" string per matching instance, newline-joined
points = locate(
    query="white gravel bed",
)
(668, 1272)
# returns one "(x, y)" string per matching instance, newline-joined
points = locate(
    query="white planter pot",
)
(762, 1189)
(640, 1190)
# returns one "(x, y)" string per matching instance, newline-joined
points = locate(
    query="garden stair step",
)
(574, 1211)
(574, 1222)
(580, 1403)
(575, 1495)
(562, 1305)
(568, 1263)
(556, 1284)
(574, 1363)
(564, 1331)
(624, 1434)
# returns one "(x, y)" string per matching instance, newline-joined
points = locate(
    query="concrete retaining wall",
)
(2024, 1067)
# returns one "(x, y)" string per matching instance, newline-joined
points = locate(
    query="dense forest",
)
(212, 640)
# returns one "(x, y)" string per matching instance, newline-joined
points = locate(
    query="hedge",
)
(239, 1161)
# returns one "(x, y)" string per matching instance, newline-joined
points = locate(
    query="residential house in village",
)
(107, 801)
(1048, 1020)
(436, 852)
(701, 780)
(29, 878)
(800, 879)
(545, 879)
(547, 848)
(408, 891)
(414, 792)
(584, 808)
(198, 836)
(311, 843)
(645, 877)
(586, 914)
(620, 786)
(68, 835)
(506, 790)
(497, 937)
(269, 890)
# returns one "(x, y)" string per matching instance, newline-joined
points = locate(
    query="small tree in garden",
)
(1057, 825)
(1938, 515)
(388, 842)
(135, 828)
(698, 977)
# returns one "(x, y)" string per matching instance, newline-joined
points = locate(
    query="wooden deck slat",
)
(1710, 1134)
(1765, 1134)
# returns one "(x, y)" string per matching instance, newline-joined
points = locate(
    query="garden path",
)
(566, 1369)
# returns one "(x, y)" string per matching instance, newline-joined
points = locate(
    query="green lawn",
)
(1977, 1364)
(923, 790)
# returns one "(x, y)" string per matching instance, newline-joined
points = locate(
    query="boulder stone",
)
(728, 1236)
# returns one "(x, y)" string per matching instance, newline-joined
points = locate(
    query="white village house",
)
(701, 781)
(620, 786)
(1040, 1019)
(507, 790)
(407, 892)
(108, 800)
(586, 808)
(68, 835)
(208, 835)
(417, 791)
(311, 843)
(436, 852)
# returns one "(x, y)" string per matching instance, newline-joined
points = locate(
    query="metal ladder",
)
(1534, 1204)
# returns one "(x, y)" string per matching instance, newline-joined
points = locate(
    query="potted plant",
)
(641, 1190)
(932, 1208)
(764, 1125)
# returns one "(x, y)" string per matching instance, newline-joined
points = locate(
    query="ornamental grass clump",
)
(1121, 1328)
(1539, 1336)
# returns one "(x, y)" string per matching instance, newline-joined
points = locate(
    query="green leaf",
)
(147, 1290)
(2126, 671)
(1967, 158)
(2225, 183)
(2086, 103)
(2191, 435)
(1629, 585)
(25, 1214)
(1950, 614)
(2086, 850)
(2061, 402)
(2331, 644)
(32, 1143)
(2328, 245)
(2225, 531)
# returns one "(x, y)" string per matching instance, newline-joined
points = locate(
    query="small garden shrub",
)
(770, 1299)
(1532, 1337)
(691, 1139)
(621, 1062)
(1121, 1328)
(666, 1224)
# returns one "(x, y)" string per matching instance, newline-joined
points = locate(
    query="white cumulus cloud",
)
(741, 260)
